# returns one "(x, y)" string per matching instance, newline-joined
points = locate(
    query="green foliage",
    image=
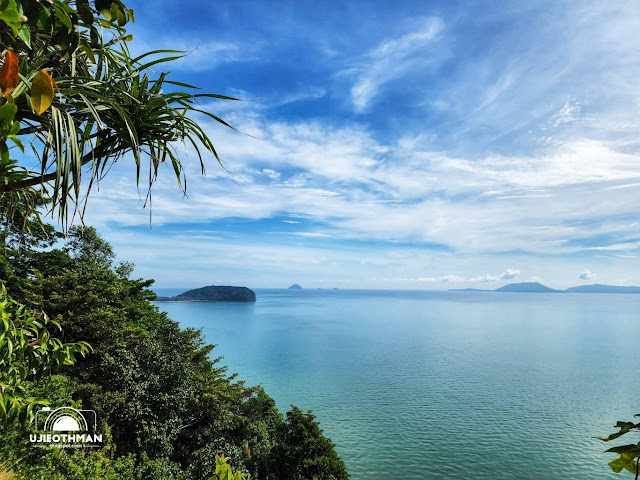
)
(78, 465)
(224, 470)
(109, 103)
(11, 15)
(628, 455)
(166, 404)
(28, 351)
(305, 452)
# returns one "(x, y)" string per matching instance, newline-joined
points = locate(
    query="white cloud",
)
(310, 93)
(616, 247)
(442, 279)
(391, 60)
(509, 274)
(364, 189)
(485, 278)
(587, 275)
(272, 174)
(567, 114)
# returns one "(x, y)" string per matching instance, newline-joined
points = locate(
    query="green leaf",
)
(624, 461)
(4, 152)
(84, 12)
(15, 128)
(63, 16)
(25, 35)
(10, 15)
(632, 448)
(7, 114)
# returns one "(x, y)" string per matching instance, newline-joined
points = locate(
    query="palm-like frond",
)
(109, 105)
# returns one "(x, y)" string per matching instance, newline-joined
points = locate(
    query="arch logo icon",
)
(66, 427)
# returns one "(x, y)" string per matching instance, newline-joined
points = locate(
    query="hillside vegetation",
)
(165, 403)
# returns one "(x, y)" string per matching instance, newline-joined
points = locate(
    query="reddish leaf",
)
(9, 73)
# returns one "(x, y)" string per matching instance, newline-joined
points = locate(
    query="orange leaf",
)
(41, 91)
(9, 73)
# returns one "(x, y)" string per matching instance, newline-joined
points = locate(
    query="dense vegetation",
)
(166, 405)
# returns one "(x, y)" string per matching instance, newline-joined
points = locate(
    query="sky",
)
(394, 145)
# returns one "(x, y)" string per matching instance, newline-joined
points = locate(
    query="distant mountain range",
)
(535, 287)
(599, 288)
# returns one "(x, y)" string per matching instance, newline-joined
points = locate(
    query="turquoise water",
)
(442, 384)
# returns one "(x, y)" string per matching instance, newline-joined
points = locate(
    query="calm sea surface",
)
(430, 385)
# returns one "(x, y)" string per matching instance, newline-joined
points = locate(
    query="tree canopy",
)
(166, 404)
(74, 94)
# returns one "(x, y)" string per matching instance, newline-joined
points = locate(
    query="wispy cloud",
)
(511, 134)
(558, 202)
(391, 60)
(443, 279)
(196, 56)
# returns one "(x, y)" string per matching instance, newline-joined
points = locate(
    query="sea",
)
(441, 385)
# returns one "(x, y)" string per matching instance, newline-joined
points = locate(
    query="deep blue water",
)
(430, 385)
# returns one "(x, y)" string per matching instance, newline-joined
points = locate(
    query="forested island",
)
(213, 293)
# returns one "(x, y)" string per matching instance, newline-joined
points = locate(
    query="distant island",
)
(213, 293)
(295, 286)
(535, 287)
(526, 287)
(599, 288)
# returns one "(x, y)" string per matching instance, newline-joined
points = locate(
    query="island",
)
(526, 287)
(213, 293)
(295, 286)
(599, 288)
(535, 287)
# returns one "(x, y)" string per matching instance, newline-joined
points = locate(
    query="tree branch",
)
(32, 129)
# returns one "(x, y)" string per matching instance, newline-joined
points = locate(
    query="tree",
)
(224, 470)
(305, 452)
(167, 405)
(28, 352)
(628, 455)
(109, 104)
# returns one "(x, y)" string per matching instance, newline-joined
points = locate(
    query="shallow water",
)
(441, 384)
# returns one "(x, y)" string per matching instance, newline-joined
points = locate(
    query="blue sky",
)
(419, 145)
